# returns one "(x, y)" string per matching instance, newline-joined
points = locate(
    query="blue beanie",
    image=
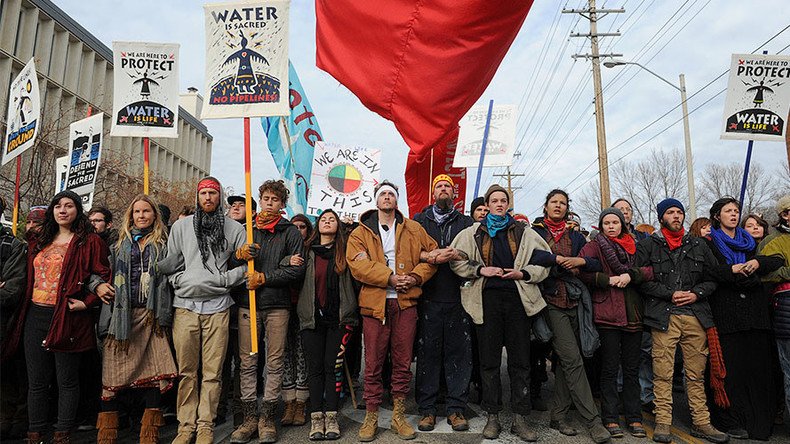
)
(668, 203)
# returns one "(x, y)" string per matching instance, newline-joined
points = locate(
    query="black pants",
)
(324, 349)
(41, 364)
(445, 339)
(504, 323)
(620, 348)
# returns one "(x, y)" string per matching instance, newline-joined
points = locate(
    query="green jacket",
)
(777, 244)
(305, 307)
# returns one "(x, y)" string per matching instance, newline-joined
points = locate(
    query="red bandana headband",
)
(208, 183)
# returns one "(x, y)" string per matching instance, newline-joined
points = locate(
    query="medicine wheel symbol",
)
(344, 178)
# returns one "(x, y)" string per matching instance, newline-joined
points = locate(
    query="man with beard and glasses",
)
(678, 313)
(199, 249)
(444, 327)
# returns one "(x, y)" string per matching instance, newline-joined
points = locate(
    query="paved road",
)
(351, 419)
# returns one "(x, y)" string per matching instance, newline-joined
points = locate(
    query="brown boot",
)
(710, 433)
(149, 428)
(299, 413)
(107, 424)
(267, 429)
(399, 423)
(34, 438)
(662, 433)
(317, 426)
(62, 438)
(367, 432)
(427, 423)
(458, 422)
(288, 414)
(331, 427)
(249, 427)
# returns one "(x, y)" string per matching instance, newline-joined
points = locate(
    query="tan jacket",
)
(365, 255)
(469, 241)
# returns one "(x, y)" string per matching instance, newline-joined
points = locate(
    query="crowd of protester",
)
(107, 320)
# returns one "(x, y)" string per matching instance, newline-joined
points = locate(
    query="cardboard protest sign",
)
(24, 113)
(758, 98)
(501, 142)
(145, 89)
(246, 59)
(343, 178)
(85, 145)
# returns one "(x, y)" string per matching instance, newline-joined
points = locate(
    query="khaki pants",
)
(275, 323)
(200, 342)
(688, 332)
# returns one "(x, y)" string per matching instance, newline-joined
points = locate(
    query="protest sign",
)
(24, 113)
(85, 145)
(61, 173)
(758, 98)
(343, 178)
(145, 89)
(501, 142)
(246, 59)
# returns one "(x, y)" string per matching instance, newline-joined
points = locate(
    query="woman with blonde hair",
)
(137, 354)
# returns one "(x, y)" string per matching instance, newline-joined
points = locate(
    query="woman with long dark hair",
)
(137, 354)
(54, 320)
(741, 308)
(327, 310)
(755, 225)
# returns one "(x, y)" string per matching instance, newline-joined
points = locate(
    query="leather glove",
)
(248, 252)
(255, 279)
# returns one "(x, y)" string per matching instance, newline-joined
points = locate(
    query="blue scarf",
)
(495, 223)
(733, 249)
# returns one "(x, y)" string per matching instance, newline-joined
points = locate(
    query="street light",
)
(687, 134)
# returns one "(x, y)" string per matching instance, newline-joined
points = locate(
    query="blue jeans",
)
(646, 369)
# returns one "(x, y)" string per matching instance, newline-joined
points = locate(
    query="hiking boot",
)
(34, 438)
(367, 432)
(399, 423)
(662, 433)
(710, 433)
(599, 433)
(288, 413)
(316, 426)
(521, 429)
(458, 422)
(249, 427)
(299, 418)
(149, 426)
(492, 428)
(205, 435)
(107, 424)
(267, 429)
(427, 423)
(564, 427)
(62, 438)
(331, 427)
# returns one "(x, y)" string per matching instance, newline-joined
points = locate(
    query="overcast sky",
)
(554, 92)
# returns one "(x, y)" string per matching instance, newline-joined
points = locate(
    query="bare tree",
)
(719, 180)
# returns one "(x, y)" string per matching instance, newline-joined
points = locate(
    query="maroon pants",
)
(397, 336)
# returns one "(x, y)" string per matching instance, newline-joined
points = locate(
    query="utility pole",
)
(689, 159)
(593, 15)
(509, 176)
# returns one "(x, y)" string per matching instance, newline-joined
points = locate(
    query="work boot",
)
(107, 425)
(599, 433)
(249, 427)
(662, 433)
(317, 426)
(267, 429)
(299, 418)
(34, 438)
(427, 423)
(399, 423)
(564, 427)
(367, 432)
(288, 413)
(492, 428)
(710, 433)
(521, 429)
(62, 438)
(331, 427)
(458, 422)
(149, 426)
(205, 435)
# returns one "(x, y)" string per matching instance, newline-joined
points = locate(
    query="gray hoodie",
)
(190, 279)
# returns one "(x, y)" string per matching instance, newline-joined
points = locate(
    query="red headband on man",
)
(208, 183)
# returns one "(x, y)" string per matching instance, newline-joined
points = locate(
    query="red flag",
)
(419, 175)
(420, 64)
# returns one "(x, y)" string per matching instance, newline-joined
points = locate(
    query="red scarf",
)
(266, 220)
(674, 238)
(555, 228)
(627, 242)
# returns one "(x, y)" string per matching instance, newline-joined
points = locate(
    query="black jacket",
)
(690, 272)
(13, 274)
(275, 292)
(741, 303)
(444, 286)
